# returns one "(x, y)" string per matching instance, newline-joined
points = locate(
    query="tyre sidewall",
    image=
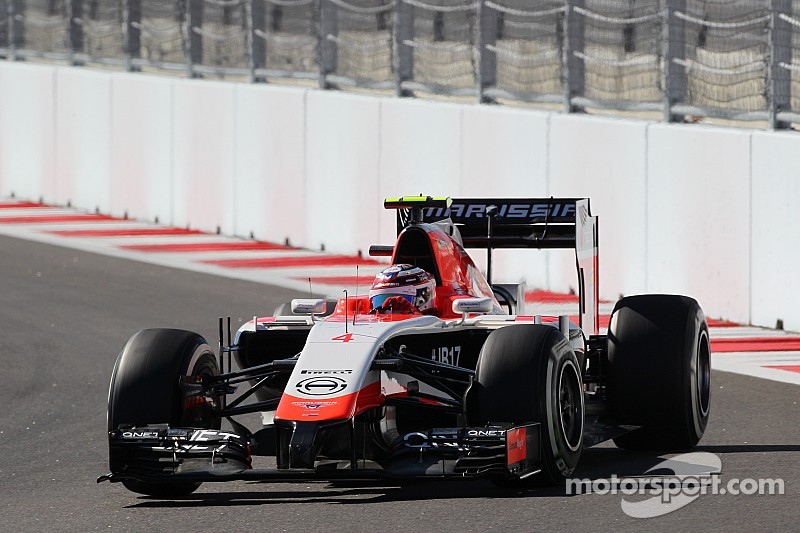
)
(560, 457)
(696, 333)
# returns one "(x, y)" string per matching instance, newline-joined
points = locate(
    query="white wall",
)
(342, 152)
(203, 141)
(140, 173)
(82, 135)
(27, 129)
(504, 154)
(603, 159)
(698, 216)
(775, 229)
(269, 163)
(689, 209)
(420, 153)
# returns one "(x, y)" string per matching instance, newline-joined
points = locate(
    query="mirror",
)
(308, 306)
(465, 306)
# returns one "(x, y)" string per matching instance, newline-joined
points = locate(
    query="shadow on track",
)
(336, 493)
(595, 464)
(598, 463)
(749, 448)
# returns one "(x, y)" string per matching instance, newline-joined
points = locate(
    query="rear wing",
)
(508, 222)
(540, 223)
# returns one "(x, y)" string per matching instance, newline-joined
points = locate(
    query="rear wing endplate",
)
(588, 266)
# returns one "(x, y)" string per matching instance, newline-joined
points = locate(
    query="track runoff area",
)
(759, 352)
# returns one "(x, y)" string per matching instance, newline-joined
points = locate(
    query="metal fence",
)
(736, 59)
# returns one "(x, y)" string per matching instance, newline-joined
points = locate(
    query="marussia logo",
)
(315, 372)
(505, 211)
(313, 405)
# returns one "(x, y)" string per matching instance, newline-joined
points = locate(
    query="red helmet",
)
(406, 281)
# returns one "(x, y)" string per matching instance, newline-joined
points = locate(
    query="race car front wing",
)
(159, 453)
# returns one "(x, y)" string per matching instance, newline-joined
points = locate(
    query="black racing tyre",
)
(145, 390)
(527, 374)
(659, 374)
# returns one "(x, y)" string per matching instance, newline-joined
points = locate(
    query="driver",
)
(403, 289)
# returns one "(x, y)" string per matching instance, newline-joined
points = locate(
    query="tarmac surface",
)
(66, 313)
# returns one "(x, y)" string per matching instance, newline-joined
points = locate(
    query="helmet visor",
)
(378, 300)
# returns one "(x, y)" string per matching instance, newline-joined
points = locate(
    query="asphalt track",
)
(64, 315)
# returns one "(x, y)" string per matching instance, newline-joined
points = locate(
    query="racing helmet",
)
(411, 283)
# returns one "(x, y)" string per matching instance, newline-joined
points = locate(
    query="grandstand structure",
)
(731, 59)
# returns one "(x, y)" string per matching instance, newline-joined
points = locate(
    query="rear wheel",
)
(659, 371)
(528, 374)
(145, 390)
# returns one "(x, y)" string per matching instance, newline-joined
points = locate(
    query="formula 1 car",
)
(474, 388)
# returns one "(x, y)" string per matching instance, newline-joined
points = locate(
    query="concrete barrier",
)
(688, 209)
(27, 131)
(504, 154)
(604, 159)
(270, 163)
(343, 148)
(82, 138)
(141, 170)
(420, 152)
(775, 230)
(698, 216)
(203, 141)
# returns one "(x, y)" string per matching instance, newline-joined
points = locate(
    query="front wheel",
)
(527, 374)
(145, 390)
